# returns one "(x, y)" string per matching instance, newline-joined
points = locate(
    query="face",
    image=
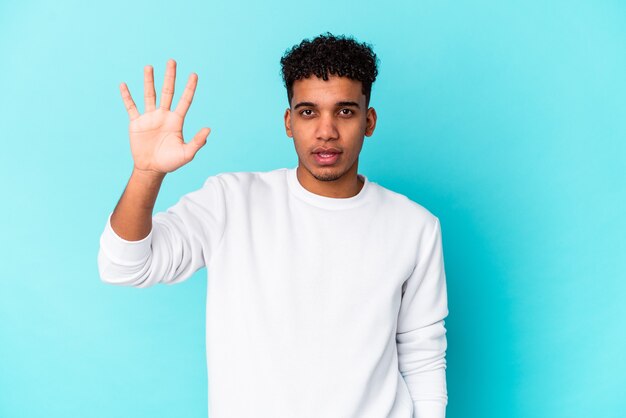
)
(328, 121)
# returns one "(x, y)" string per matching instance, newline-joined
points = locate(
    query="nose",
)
(327, 128)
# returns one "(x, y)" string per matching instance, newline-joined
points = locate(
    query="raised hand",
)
(156, 137)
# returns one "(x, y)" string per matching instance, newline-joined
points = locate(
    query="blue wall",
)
(506, 121)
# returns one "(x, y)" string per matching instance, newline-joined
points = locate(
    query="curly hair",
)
(330, 55)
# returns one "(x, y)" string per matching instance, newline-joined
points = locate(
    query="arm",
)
(421, 334)
(157, 148)
(132, 217)
(179, 243)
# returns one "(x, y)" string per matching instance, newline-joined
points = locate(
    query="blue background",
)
(505, 119)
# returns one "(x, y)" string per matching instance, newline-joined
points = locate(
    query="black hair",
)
(330, 55)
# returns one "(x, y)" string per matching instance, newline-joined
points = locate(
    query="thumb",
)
(198, 141)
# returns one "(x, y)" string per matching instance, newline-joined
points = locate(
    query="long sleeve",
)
(182, 239)
(421, 332)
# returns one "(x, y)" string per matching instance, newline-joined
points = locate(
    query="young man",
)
(326, 292)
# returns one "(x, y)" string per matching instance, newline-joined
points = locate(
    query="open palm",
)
(156, 137)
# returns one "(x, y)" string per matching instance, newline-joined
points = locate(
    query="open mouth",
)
(329, 158)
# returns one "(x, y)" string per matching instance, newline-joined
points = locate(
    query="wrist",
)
(150, 176)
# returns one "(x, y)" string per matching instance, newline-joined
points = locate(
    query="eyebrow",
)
(338, 104)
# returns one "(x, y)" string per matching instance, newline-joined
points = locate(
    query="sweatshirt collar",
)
(325, 202)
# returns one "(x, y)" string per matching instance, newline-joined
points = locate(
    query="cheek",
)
(364, 125)
(356, 130)
(297, 141)
(299, 132)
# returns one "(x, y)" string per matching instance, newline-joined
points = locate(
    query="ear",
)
(370, 121)
(288, 123)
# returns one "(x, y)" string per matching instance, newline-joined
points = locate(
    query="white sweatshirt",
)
(317, 307)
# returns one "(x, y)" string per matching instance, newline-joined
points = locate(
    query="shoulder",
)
(247, 184)
(237, 179)
(402, 203)
(405, 210)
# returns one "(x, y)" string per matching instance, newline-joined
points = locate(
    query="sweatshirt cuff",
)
(429, 409)
(123, 251)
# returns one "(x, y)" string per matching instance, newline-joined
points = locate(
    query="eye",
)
(306, 112)
(346, 112)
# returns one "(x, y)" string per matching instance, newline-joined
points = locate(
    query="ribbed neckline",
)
(323, 201)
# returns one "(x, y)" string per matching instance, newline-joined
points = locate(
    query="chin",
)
(327, 173)
(327, 176)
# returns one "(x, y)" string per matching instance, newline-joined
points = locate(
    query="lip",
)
(328, 160)
(319, 150)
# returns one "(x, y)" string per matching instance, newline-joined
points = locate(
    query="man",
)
(326, 293)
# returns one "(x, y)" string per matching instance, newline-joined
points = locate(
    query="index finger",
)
(187, 97)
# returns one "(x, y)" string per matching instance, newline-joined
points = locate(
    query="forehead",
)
(335, 89)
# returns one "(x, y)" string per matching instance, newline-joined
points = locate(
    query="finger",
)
(198, 141)
(167, 93)
(133, 113)
(149, 95)
(187, 97)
